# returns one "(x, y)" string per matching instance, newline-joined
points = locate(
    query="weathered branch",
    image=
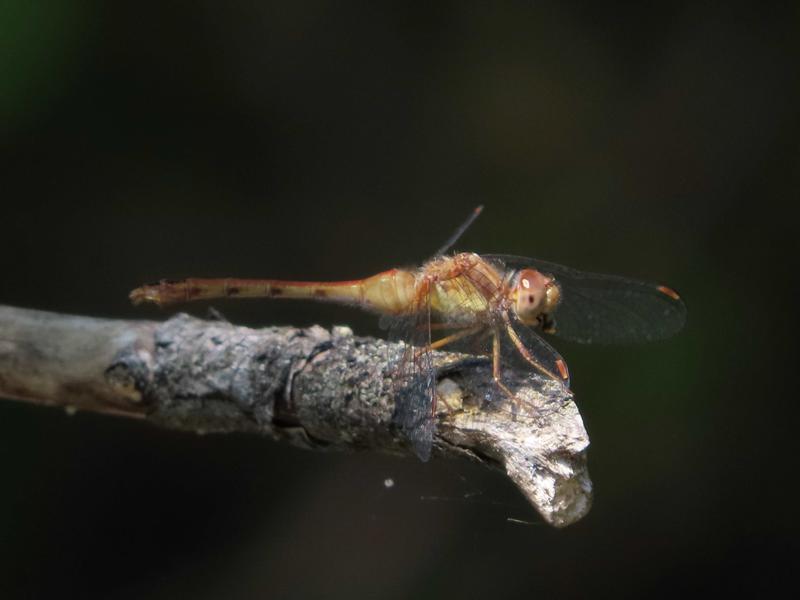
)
(311, 387)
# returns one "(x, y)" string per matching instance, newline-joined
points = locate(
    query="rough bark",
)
(312, 387)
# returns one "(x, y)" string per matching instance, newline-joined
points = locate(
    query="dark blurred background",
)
(330, 140)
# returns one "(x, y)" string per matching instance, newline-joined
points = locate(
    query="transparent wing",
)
(522, 348)
(415, 376)
(607, 309)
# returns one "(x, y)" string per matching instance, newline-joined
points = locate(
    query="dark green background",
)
(322, 140)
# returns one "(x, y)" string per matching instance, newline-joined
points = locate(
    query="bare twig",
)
(312, 387)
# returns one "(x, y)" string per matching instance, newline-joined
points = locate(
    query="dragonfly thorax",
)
(462, 288)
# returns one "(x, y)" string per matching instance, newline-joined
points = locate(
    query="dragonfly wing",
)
(414, 377)
(521, 347)
(607, 309)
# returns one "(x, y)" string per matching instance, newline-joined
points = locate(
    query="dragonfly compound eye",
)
(552, 296)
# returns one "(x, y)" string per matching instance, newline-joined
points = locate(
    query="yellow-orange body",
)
(462, 287)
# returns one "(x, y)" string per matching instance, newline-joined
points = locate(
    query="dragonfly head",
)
(535, 295)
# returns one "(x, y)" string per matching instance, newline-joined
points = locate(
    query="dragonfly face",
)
(535, 296)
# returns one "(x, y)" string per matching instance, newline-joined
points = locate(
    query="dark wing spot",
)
(320, 293)
(233, 291)
(562, 369)
(275, 291)
(668, 292)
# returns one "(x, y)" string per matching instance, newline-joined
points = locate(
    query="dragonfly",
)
(496, 306)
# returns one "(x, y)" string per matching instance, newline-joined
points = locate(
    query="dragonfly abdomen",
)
(388, 292)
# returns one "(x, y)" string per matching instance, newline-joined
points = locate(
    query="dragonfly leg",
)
(496, 368)
(514, 399)
(449, 339)
(440, 343)
(436, 326)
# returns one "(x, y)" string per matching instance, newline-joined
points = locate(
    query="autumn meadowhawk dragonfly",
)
(491, 305)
